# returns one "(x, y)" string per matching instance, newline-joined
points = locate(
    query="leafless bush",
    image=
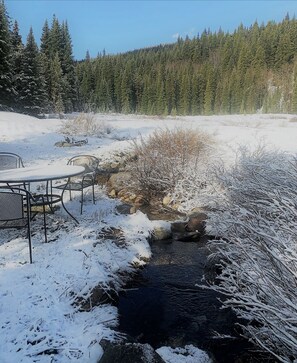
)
(165, 156)
(256, 219)
(85, 124)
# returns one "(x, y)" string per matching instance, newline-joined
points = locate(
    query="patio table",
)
(46, 173)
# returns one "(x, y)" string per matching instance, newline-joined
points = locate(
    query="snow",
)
(40, 319)
(188, 354)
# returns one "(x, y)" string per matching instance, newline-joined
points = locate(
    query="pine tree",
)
(87, 84)
(6, 88)
(32, 94)
(294, 92)
(57, 84)
(126, 91)
(56, 41)
(209, 95)
(17, 64)
(67, 65)
(46, 58)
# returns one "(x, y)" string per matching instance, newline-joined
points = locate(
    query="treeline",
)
(252, 69)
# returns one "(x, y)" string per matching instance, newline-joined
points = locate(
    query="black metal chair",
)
(85, 180)
(15, 211)
(11, 161)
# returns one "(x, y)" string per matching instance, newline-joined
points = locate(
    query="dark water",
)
(163, 305)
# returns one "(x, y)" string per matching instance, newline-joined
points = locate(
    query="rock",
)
(140, 200)
(178, 227)
(124, 209)
(102, 177)
(196, 223)
(112, 193)
(160, 233)
(133, 210)
(119, 181)
(166, 200)
(188, 237)
(128, 353)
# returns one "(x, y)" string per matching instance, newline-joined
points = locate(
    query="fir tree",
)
(17, 64)
(32, 95)
(46, 58)
(6, 88)
(67, 65)
(57, 84)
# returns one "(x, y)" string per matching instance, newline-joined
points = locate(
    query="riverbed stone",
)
(188, 237)
(178, 227)
(196, 223)
(125, 209)
(161, 233)
(128, 353)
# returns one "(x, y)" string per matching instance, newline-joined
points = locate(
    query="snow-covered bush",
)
(163, 159)
(199, 183)
(255, 221)
(85, 124)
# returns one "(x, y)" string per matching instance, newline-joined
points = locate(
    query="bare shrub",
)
(256, 224)
(165, 156)
(85, 124)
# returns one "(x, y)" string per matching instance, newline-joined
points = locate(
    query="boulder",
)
(125, 209)
(196, 223)
(178, 227)
(128, 353)
(119, 181)
(161, 232)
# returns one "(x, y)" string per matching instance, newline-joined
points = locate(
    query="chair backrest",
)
(10, 161)
(12, 206)
(15, 210)
(90, 162)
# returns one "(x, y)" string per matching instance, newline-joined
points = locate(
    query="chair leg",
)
(29, 229)
(30, 245)
(93, 189)
(44, 225)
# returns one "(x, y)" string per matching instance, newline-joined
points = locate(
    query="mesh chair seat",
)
(76, 186)
(18, 223)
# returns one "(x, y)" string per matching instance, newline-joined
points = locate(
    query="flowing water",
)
(164, 306)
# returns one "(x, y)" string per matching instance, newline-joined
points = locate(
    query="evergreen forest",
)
(253, 69)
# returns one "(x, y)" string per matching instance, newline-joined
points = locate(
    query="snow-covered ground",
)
(37, 311)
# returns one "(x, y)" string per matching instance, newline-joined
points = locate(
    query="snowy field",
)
(37, 311)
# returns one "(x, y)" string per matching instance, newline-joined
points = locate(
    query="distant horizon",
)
(123, 26)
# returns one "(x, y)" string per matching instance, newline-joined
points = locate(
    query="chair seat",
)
(75, 186)
(20, 223)
(46, 199)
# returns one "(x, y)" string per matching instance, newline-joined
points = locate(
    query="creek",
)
(164, 305)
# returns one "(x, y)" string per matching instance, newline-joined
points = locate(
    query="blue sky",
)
(119, 26)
